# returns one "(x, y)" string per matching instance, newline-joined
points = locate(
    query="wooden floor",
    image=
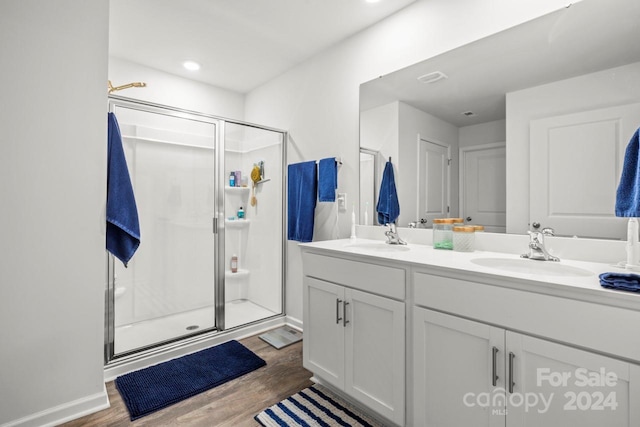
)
(232, 404)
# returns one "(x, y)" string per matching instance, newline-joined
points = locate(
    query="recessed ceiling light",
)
(191, 65)
(372, 1)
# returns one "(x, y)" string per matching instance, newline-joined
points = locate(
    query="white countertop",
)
(568, 278)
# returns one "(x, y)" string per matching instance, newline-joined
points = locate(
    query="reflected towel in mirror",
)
(628, 194)
(388, 207)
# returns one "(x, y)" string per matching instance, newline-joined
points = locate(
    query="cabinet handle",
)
(511, 382)
(344, 314)
(338, 318)
(494, 376)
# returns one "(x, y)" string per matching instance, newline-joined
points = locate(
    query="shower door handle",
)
(215, 225)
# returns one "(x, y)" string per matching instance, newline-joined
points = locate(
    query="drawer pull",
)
(344, 314)
(338, 318)
(494, 371)
(511, 382)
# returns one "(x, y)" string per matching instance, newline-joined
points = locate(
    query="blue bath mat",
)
(156, 387)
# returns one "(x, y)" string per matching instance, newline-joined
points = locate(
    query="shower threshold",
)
(143, 334)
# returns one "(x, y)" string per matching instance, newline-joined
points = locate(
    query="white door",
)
(483, 191)
(458, 376)
(575, 166)
(374, 353)
(323, 349)
(433, 180)
(557, 385)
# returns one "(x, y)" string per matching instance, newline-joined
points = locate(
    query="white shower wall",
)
(258, 246)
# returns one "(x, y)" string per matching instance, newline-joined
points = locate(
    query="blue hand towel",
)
(388, 207)
(628, 194)
(327, 180)
(620, 281)
(302, 188)
(123, 228)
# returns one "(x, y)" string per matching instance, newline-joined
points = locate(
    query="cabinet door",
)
(375, 353)
(455, 370)
(323, 349)
(557, 385)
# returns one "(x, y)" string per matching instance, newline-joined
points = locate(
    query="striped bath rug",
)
(314, 406)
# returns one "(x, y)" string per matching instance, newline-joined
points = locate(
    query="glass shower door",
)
(167, 292)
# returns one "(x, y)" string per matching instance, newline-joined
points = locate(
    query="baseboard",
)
(65, 412)
(293, 322)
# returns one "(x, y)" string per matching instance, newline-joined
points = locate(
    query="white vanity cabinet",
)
(482, 373)
(354, 330)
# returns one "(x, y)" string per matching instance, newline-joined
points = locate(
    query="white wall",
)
(175, 91)
(483, 133)
(317, 102)
(53, 148)
(588, 92)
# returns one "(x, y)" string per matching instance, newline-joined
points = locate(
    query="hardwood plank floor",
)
(232, 404)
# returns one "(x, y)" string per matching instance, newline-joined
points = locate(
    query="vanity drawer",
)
(378, 279)
(607, 329)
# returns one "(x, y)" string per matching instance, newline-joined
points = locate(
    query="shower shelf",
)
(237, 190)
(237, 223)
(241, 274)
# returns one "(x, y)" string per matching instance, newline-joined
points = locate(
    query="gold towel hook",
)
(111, 88)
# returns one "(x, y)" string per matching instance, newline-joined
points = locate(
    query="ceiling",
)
(240, 44)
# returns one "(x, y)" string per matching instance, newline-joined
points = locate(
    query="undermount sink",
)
(377, 247)
(534, 267)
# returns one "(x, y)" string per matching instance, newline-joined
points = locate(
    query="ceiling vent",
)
(432, 77)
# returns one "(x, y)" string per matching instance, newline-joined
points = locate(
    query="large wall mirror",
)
(527, 125)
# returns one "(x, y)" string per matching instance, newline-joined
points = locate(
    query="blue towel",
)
(620, 281)
(123, 229)
(302, 188)
(388, 207)
(327, 180)
(628, 194)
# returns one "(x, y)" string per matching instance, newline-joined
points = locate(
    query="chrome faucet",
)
(537, 251)
(392, 235)
(422, 223)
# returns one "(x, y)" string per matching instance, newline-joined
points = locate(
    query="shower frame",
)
(219, 282)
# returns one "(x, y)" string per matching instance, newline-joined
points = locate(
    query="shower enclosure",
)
(180, 283)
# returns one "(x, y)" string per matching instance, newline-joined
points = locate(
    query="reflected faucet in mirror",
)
(537, 250)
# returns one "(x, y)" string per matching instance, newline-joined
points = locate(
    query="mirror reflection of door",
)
(575, 166)
(368, 180)
(483, 190)
(433, 180)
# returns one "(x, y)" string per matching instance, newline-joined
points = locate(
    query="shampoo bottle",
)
(234, 263)
(240, 213)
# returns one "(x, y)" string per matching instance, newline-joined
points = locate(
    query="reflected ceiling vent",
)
(433, 77)
(469, 114)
